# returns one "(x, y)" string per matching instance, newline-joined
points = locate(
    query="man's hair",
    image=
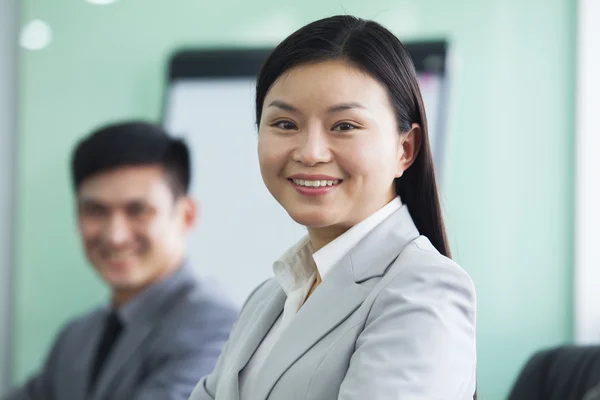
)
(132, 143)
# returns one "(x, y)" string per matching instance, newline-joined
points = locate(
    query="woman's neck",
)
(321, 237)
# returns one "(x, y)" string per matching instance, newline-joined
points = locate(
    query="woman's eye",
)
(344, 126)
(285, 125)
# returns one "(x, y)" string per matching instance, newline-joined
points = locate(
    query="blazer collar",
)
(389, 239)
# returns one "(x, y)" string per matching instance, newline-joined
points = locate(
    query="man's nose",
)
(117, 231)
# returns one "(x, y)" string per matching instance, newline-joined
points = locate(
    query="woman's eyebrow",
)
(284, 106)
(333, 109)
(345, 106)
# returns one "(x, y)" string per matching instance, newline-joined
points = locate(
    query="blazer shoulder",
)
(77, 326)
(208, 291)
(421, 255)
(192, 320)
(421, 265)
(202, 299)
(87, 317)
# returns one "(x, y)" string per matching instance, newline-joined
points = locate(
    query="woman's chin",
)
(312, 219)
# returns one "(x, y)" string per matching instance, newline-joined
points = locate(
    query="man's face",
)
(132, 228)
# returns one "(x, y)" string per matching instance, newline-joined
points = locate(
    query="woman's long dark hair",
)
(376, 51)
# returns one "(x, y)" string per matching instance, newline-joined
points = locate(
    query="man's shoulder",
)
(207, 292)
(199, 312)
(202, 298)
(80, 324)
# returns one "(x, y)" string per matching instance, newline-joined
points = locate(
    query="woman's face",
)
(329, 146)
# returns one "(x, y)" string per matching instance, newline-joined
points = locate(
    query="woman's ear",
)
(409, 146)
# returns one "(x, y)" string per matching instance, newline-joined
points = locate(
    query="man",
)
(164, 329)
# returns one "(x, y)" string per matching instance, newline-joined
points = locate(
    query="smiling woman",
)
(369, 304)
(330, 122)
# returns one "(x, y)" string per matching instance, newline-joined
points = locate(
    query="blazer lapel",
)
(260, 323)
(340, 294)
(80, 357)
(142, 315)
(374, 254)
(131, 339)
(330, 304)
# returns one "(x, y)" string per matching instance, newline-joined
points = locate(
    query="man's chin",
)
(122, 284)
(119, 279)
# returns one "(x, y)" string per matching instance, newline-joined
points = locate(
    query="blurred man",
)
(163, 329)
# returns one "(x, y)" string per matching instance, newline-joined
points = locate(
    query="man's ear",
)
(191, 212)
(409, 146)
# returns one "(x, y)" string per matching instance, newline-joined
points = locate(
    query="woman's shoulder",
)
(420, 282)
(421, 267)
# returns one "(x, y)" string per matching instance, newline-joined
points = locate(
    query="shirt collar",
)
(297, 266)
(145, 304)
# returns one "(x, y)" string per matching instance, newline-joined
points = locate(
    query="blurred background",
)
(517, 181)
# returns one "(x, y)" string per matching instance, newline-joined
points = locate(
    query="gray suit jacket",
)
(393, 319)
(173, 337)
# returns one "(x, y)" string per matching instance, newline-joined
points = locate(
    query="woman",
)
(369, 304)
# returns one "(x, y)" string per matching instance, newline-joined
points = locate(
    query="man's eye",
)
(93, 211)
(136, 210)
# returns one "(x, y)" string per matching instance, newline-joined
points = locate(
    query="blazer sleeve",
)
(186, 355)
(41, 386)
(418, 342)
(207, 387)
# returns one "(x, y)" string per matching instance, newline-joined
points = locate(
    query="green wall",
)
(508, 176)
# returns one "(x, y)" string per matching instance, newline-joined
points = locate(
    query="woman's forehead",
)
(327, 84)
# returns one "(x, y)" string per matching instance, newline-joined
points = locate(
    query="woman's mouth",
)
(317, 185)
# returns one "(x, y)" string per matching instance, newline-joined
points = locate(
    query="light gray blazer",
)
(174, 337)
(393, 319)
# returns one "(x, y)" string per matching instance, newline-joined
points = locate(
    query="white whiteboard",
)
(241, 230)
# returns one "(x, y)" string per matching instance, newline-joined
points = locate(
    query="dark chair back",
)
(561, 373)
